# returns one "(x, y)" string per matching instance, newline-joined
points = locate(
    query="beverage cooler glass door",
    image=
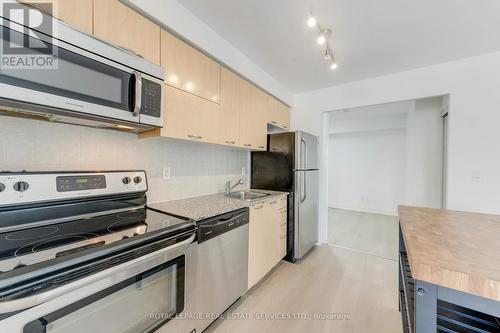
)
(141, 303)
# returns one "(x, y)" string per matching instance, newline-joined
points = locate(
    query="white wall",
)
(384, 155)
(424, 154)
(367, 170)
(473, 85)
(196, 169)
(176, 17)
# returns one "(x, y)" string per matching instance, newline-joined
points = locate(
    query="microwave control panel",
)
(151, 98)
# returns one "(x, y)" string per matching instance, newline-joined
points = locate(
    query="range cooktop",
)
(29, 246)
(84, 211)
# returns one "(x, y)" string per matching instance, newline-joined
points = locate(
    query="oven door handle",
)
(31, 301)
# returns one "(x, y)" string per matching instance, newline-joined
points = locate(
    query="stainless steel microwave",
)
(57, 73)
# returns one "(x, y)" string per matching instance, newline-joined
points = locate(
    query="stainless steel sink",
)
(247, 195)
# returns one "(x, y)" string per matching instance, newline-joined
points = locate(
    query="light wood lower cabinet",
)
(120, 25)
(267, 238)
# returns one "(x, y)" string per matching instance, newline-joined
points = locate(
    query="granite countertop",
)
(203, 207)
(457, 250)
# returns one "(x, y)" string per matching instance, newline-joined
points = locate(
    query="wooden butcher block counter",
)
(453, 249)
(449, 270)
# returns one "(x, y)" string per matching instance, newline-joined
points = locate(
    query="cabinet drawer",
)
(274, 203)
(283, 246)
(283, 202)
(283, 229)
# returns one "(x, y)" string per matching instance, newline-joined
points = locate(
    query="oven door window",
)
(142, 303)
(76, 77)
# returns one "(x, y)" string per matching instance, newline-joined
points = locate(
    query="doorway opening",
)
(379, 157)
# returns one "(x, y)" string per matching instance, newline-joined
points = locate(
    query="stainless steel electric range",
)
(81, 252)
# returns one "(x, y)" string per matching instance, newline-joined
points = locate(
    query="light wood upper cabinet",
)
(189, 69)
(278, 113)
(187, 117)
(231, 104)
(120, 25)
(77, 13)
(283, 113)
(253, 127)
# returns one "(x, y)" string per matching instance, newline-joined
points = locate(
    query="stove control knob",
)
(21, 186)
(2, 187)
(137, 179)
(126, 180)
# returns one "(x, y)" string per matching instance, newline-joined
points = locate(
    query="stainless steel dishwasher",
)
(222, 268)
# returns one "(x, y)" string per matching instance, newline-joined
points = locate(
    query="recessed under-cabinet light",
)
(173, 79)
(124, 127)
(189, 86)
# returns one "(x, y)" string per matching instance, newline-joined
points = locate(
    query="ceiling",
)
(370, 37)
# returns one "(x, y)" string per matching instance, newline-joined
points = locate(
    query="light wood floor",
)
(328, 280)
(371, 233)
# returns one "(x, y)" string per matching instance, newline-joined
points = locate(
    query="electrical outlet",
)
(476, 176)
(243, 171)
(166, 173)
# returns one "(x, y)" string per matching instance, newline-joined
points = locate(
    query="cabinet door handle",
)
(191, 136)
(258, 207)
(129, 50)
(230, 142)
(273, 122)
(272, 202)
(261, 147)
(247, 145)
(285, 126)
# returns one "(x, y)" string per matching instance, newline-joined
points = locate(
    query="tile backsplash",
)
(195, 168)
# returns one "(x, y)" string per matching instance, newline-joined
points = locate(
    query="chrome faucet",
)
(229, 188)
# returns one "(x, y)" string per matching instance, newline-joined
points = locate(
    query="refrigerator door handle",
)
(303, 195)
(304, 160)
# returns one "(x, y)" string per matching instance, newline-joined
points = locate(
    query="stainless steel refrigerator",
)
(291, 165)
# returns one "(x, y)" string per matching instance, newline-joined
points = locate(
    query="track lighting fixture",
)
(322, 39)
(323, 36)
(328, 54)
(311, 22)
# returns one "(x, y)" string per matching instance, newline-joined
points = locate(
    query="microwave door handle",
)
(31, 301)
(138, 94)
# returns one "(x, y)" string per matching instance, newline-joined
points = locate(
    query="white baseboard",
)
(364, 209)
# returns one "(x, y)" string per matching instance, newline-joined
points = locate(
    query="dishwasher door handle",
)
(229, 220)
